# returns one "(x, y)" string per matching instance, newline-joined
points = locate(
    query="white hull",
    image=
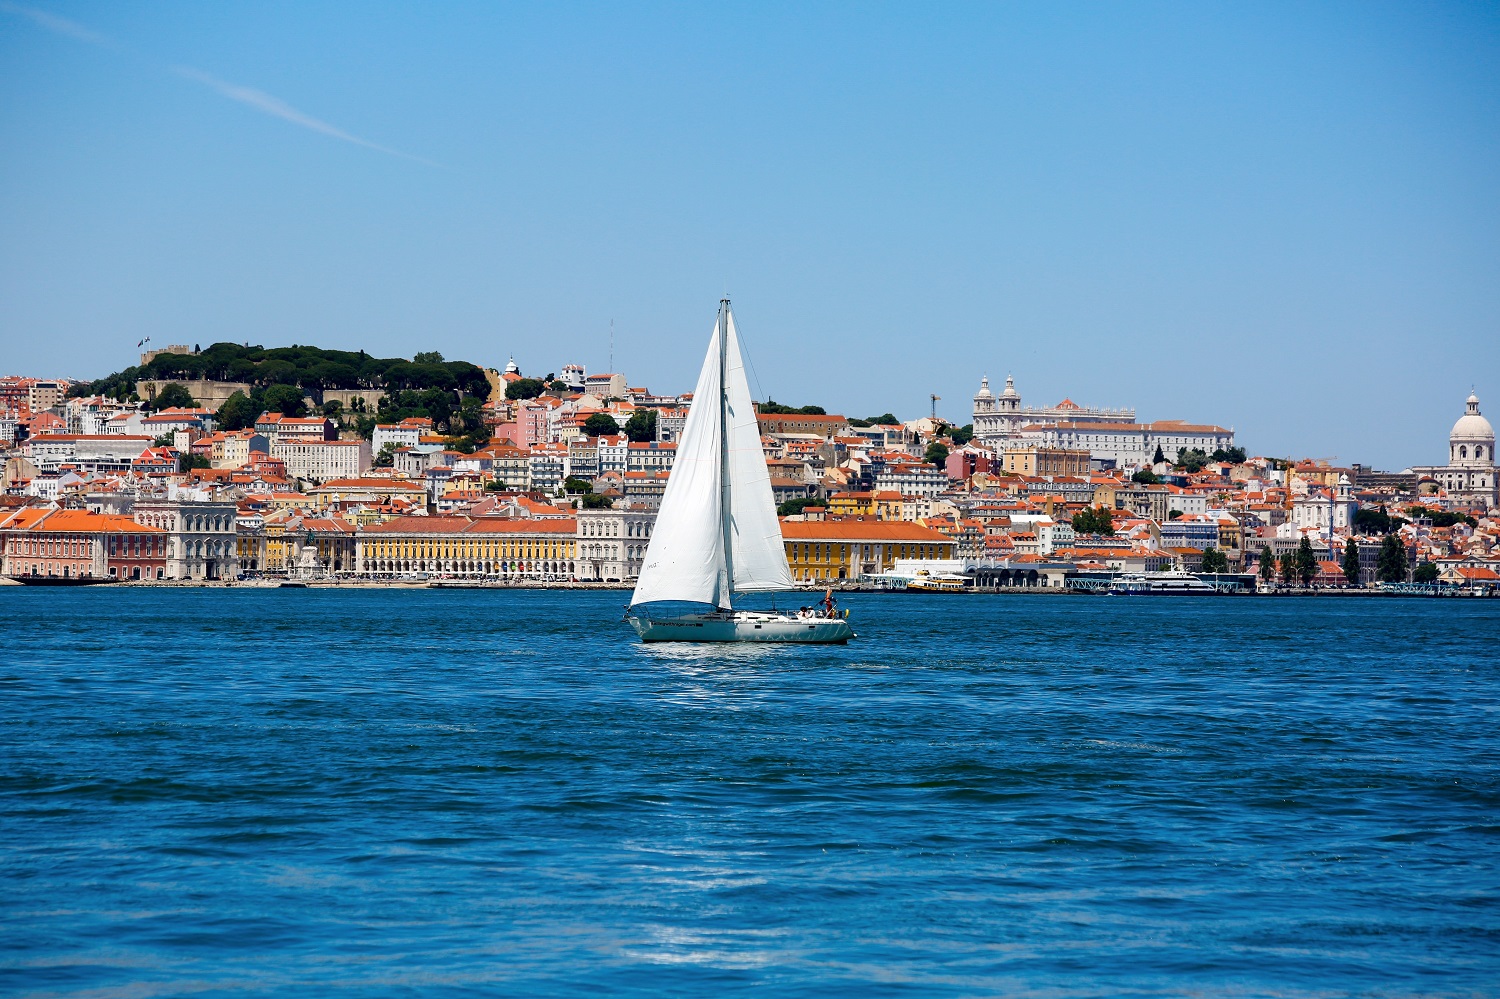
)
(743, 626)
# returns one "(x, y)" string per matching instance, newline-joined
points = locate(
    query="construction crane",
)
(935, 400)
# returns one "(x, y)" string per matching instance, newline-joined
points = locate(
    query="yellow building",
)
(849, 548)
(276, 545)
(882, 505)
(511, 548)
(1043, 461)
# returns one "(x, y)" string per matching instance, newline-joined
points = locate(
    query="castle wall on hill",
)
(210, 394)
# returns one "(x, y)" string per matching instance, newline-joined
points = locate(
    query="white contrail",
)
(278, 108)
(257, 99)
(61, 25)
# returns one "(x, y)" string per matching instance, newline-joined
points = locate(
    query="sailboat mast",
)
(724, 487)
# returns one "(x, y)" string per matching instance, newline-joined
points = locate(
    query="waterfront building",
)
(46, 541)
(201, 534)
(1196, 531)
(818, 550)
(469, 547)
(1000, 418)
(1469, 478)
(612, 543)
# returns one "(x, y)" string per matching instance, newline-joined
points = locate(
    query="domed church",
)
(1469, 478)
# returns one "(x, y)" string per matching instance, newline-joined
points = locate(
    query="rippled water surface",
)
(317, 792)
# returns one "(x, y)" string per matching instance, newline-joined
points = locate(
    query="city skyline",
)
(1281, 220)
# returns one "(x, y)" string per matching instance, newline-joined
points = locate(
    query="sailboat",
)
(716, 533)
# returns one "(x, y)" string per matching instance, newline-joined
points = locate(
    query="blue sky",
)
(1284, 218)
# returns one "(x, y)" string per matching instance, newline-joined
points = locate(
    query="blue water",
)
(305, 792)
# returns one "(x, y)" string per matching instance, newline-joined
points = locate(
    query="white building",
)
(1130, 445)
(1001, 418)
(1469, 478)
(911, 480)
(319, 461)
(201, 539)
(407, 433)
(102, 452)
(1325, 510)
(612, 542)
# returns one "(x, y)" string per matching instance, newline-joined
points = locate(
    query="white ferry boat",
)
(1160, 584)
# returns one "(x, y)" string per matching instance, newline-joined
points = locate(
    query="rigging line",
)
(750, 363)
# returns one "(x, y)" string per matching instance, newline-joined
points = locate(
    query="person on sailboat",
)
(828, 603)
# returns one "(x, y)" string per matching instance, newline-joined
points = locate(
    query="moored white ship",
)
(716, 533)
(1160, 584)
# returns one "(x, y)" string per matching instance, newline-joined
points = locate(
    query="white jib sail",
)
(758, 554)
(685, 558)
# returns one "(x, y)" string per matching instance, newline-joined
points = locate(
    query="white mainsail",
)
(685, 558)
(695, 555)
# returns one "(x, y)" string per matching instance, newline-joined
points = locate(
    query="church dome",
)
(984, 388)
(1010, 389)
(1471, 426)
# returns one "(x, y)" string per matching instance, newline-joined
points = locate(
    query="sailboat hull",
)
(743, 627)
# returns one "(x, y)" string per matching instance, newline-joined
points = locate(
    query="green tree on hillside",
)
(600, 424)
(1426, 572)
(1191, 460)
(937, 454)
(524, 388)
(1146, 477)
(1288, 567)
(283, 399)
(1158, 457)
(173, 396)
(1267, 564)
(641, 427)
(961, 435)
(237, 413)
